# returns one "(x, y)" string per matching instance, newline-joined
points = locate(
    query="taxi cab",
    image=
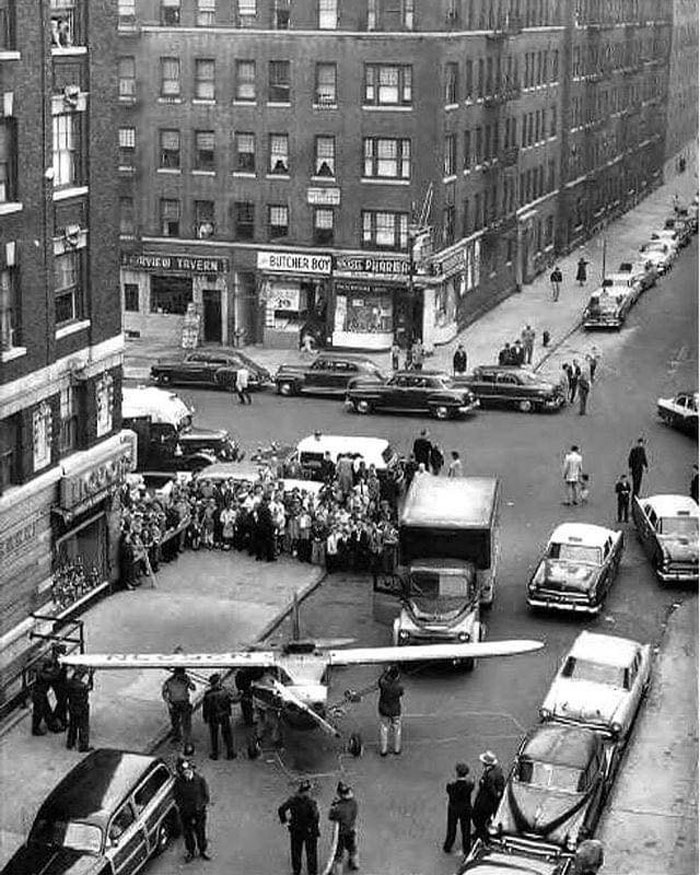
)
(311, 450)
(667, 526)
(108, 816)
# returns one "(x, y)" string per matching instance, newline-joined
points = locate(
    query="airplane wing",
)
(168, 661)
(428, 652)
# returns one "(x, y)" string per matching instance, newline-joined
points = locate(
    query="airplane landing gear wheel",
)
(355, 745)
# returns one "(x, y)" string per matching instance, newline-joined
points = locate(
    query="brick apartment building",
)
(682, 116)
(372, 168)
(61, 450)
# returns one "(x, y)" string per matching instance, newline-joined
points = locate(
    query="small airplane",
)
(293, 679)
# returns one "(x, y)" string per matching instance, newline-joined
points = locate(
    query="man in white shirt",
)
(242, 378)
(572, 471)
(454, 469)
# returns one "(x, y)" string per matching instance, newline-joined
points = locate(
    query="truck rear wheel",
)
(163, 379)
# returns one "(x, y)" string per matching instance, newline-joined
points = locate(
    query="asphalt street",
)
(453, 715)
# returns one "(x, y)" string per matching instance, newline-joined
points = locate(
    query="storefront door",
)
(211, 300)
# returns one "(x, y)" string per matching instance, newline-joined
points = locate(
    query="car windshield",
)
(574, 553)
(657, 246)
(595, 672)
(431, 584)
(679, 526)
(550, 777)
(76, 835)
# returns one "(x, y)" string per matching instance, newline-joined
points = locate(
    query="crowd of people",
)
(347, 522)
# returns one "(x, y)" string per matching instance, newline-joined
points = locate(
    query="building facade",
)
(682, 115)
(61, 450)
(370, 169)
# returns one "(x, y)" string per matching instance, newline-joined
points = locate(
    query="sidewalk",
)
(204, 601)
(651, 824)
(534, 306)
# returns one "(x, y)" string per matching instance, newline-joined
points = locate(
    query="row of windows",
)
(604, 59)
(492, 76)
(609, 101)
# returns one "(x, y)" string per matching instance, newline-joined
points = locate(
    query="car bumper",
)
(554, 403)
(678, 575)
(550, 604)
(467, 408)
(602, 325)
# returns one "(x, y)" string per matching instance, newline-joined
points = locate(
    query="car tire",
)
(441, 411)
(525, 406)
(362, 406)
(286, 388)
(164, 836)
(163, 379)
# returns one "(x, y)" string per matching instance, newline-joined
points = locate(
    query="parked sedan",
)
(328, 374)
(509, 386)
(681, 411)
(682, 227)
(659, 253)
(210, 367)
(642, 272)
(600, 684)
(110, 814)
(578, 568)
(430, 392)
(608, 308)
(513, 858)
(667, 526)
(557, 786)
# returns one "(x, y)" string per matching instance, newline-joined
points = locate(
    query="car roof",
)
(161, 405)
(96, 786)
(587, 533)
(604, 649)
(671, 505)
(336, 443)
(336, 356)
(561, 745)
(239, 471)
(422, 373)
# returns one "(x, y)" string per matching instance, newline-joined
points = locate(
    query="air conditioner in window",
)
(204, 230)
(71, 234)
(71, 95)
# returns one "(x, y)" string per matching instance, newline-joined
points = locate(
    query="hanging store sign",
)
(88, 481)
(455, 262)
(323, 197)
(179, 263)
(387, 267)
(294, 262)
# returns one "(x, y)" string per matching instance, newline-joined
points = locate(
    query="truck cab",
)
(448, 556)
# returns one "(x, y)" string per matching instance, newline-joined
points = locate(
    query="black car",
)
(328, 374)
(432, 392)
(216, 367)
(108, 816)
(513, 386)
(511, 858)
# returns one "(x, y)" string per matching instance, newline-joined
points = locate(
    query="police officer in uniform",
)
(491, 787)
(344, 812)
(216, 711)
(78, 691)
(176, 693)
(303, 827)
(192, 797)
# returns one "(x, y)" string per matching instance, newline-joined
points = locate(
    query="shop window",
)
(131, 297)
(279, 154)
(324, 221)
(280, 84)
(127, 77)
(204, 150)
(169, 149)
(7, 32)
(388, 85)
(451, 78)
(204, 221)
(170, 295)
(244, 218)
(68, 438)
(169, 12)
(10, 310)
(169, 217)
(245, 81)
(63, 23)
(281, 14)
(278, 221)
(8, 161)
(170, 77)
(247, 11)
(204, 79)
(127, 225)
(206, 13)
(10, 452)
(126, 12)
(363, 312)
(66, 149)
(388, 159)
(382, 230)
(327, 14)
(245, 152)
(68, 287)
(449, 161)
(104, 404)
(41, 436)
(326, 92)
(324, 164)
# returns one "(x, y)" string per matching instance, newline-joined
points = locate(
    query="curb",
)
(552, 349)
(276, 621)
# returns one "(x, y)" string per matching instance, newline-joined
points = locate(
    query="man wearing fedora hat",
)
(216, 712)
(303, 827)
(491, 786)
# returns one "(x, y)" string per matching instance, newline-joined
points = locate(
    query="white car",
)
(659, 253)
(600, 684)
(669, 236)
(681, 411)
(643, 272)
(667, 526)
(625, 281)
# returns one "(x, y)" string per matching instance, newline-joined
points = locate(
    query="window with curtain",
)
(278, 221)
(326, 76)
(387, 158)
(169, 12)
(69, 420)
(127, 147)
(170, 77)
(245, 152)
(170, 149)
(169, 217)
(67, 287)
(247, 11)
(41, 436)
(204, 150)
(104, 402)
(7, 35)
(206, 13)
(127, 77)
(279, 154)
(65, 149)
(204, 79)
(327, 14)
(10, 323)
(245, 81)
(384, 230)
(280, 82)
(126, 216)
(324, 164)
(8, 159)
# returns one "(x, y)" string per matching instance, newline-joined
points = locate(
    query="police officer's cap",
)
(462, 770)
(342, 789)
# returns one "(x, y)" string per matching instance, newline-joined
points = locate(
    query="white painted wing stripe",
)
(427, 652)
